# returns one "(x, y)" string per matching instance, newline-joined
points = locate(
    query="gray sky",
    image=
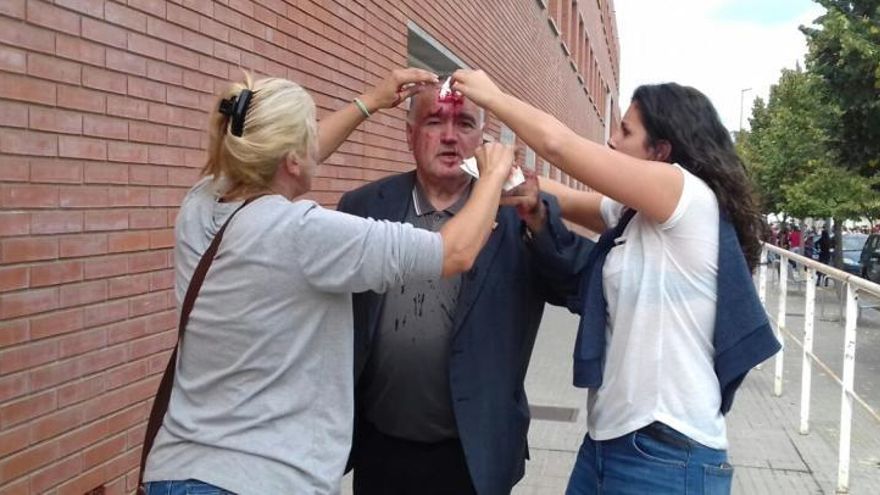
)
(718, 46)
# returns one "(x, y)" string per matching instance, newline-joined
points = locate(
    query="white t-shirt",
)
(660, 284)
(263, 395)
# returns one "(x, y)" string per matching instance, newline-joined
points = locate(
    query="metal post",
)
(807, 363)
(780, 324)
(846, 398)
(762, 284)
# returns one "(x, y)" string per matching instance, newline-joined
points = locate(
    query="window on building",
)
(530, 160)
(427, 53)
(507, 135)
(545, 168)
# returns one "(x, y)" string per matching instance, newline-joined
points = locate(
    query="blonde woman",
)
(261, 400)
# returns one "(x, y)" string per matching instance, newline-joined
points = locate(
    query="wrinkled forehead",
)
(428, 103)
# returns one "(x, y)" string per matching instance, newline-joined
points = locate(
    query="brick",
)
(64, 470)
(101, 314)
(128, 330)
(183, 176)
(54, 120)
(79, 49)
(52, 17)
(28, 356)
(104, 80)
(146, 46)
(13, 60)
(83, 197)
(56, 222)
(29, 196)
(81, 390)
(94, 8)
(53, 68)
(148, 175)
(198, 42)
(127, 374)
(184, 98)
(166, 155)
(121, 398)
(30, 249)
(163, 30)
(181, 56)
(104, 451)
(18, 223)
(129, 196)
(127, 153)
(183, 17)
(55, 423)
(128, 241)
(124, 16)
(105, 267)
(84, 148)
(13, 386)
(14, 169)
(105, 33)
(146, 89)
(129, 285)
(126, 62)
(82, 245)
(57, 272)
(83, 293)
(14, 278)
(105, 127)
(28, 143)
(14, 440)
(160, 71)
(81, 99)
(28, 460)
(25, 36)
(162, 280)
(82, 342)
(103, 173)
(28, 408)
(55, 171)
(106, 220)
(152, 344)
(147, 219)
(210, 65)
(147, 261)
(148, 133)
(56, 323)
(127, 107)
(162, 239)
(13, 8)
(213, 29)
(13, 114)
(201, 82)
(155, 7)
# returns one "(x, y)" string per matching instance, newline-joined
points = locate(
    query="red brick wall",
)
(102, 111)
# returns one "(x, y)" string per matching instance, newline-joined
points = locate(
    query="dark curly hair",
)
(686, 119)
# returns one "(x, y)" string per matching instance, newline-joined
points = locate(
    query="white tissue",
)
(516, 177)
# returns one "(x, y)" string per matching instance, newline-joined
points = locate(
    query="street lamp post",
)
(742, 94)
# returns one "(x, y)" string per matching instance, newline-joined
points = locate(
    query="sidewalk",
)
(767, 452)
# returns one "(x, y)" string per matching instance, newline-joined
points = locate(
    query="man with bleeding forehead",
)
(440, 403)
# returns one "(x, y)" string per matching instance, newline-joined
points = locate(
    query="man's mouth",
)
(449, 155)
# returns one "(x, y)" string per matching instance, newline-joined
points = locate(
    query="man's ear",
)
(409, 133)
(662, 150)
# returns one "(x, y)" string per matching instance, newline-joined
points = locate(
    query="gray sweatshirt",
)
(262, 400)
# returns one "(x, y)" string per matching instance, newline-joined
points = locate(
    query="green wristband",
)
(363, 108)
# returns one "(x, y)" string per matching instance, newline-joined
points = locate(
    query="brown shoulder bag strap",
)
(163, 396)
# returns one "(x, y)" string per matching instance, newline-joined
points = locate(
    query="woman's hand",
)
(495, 160)
(399, 85)
(476, 86)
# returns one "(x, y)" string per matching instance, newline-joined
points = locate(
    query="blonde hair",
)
(280, 122)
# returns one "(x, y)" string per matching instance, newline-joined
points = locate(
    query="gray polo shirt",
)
(406, 380)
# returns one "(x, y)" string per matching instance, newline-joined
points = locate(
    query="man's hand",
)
(528, 202)
(399, 85)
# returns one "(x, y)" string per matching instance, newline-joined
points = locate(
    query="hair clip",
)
(236, 107)
(447, 94)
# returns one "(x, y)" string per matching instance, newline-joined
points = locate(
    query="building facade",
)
(103, 106)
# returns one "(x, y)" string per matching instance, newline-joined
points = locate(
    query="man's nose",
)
(448, 132)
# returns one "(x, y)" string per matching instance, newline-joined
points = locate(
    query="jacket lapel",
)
(473, 281)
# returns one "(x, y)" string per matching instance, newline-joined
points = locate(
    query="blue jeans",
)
(655, 459)
(186, 487)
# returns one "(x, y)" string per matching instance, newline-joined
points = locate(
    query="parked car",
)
(870, 259)
(852, 248)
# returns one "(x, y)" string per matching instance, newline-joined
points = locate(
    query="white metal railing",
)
(854, 285)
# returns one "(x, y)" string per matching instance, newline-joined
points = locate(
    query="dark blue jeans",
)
(185, 487)
(655, 459)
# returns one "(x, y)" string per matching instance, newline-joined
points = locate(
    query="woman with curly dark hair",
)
(670, 320)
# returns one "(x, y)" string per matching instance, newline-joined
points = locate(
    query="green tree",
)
(844, 54)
